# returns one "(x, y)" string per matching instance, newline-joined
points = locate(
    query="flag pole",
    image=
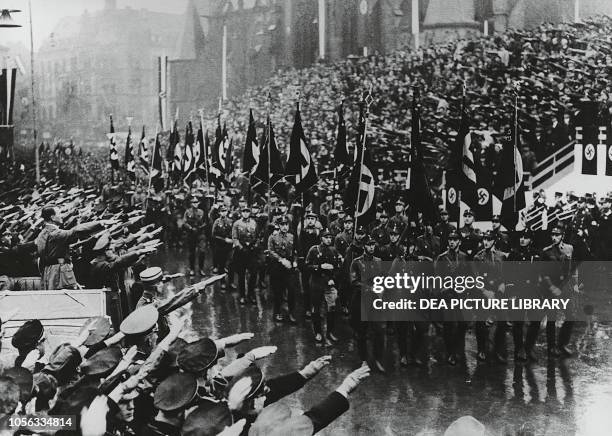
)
(126, 172)
(113, 139)
(516, 89)
(201, 112)
(268, 152)
(366, 114)
(151, 167)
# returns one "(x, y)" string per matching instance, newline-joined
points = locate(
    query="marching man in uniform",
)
(244, 234)
(282, 252)
(324, 262)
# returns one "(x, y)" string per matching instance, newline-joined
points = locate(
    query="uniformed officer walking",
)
(363, 269)
(244, 235)
(449, 263)
(283, 265)
(308, 238)
(194, 225)
(323, 262)
(221, 241)
(558, 256)
(488, 263)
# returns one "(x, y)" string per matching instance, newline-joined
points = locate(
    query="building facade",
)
(102, 63)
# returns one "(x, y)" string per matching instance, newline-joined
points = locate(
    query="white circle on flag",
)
(363, 7)
(610, 152)
(452, 195)
(589, 151)
(483, 196)
(367, 191)
(305, 162)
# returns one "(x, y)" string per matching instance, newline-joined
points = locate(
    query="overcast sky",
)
(47, 13)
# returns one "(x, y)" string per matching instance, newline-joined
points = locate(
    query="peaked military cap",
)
(103, 362)
(151, 274)
(208, 419)
(198, 356)
(99, 328)
(176, 391)
(140, 321)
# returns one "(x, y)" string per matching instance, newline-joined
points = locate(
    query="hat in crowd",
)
(103, 362)
(72, 401)
(103, 242)
(276, 419)
(198, 356)
(283, 220)
(557, 230)
(22, 378)
(99, 329)
(488, 235)
(348, 219)
(369, 240)
(468, 212)
(400, 201)
(395, 230)
(311, 214)
(140, 321)
(63, 363)
(176, 391)
(257, 380)
(360, 230)
(466, 426)
(326, 232)
(28, 335)
(223, 208)
(453, 234)
(151, 274)
(526, 233)
(208, 419)
(443, 212)
(246, 208)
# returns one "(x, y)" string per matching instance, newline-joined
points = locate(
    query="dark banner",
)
(589, 149)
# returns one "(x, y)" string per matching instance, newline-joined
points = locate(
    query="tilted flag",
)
(511, 181)
(129, 156)
(461, 173)
(419, 193)
(197, 157)
(188, 160)
(156, 170)
(300, 169)
(173, 140)
(269, 170)
(7, 102)
(220, 151)
(215, 166)
(143, 152)
(114, 156)
(342, 159)
(360, 195)
(251, 148)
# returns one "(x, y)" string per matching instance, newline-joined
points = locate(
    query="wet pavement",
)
(561, 397)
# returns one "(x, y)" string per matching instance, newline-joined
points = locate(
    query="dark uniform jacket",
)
(280, 246)
(470, 240)
(318, 255)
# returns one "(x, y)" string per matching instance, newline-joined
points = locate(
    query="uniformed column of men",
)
(153, 382)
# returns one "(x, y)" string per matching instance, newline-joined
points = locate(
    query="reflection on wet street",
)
(563, 397)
